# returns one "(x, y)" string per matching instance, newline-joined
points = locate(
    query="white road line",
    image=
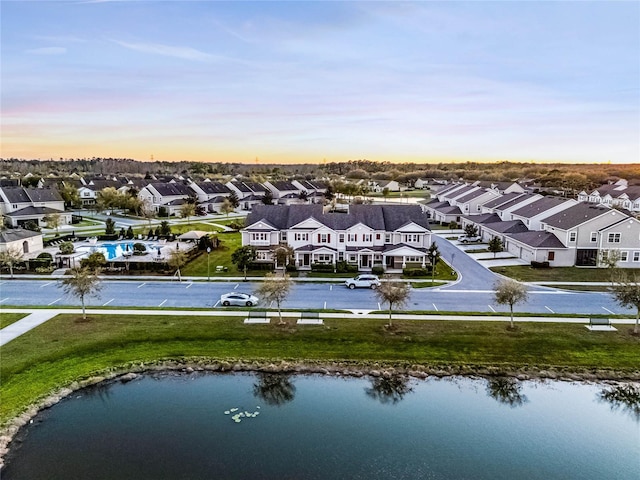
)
(189, 286)
(549, 309)
(46, 284)
(105, 304)
(163, 302)
(434, 306)
(607, 310)
(379, 306)
(2, 283)
(237, 285)
(55, 301)
(271, 304)
(330, 287)
(141, 285)
(4, 299)
(492, 309)
(325, 305)
(216, 304)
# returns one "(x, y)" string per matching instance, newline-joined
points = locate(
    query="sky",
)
(306, 82)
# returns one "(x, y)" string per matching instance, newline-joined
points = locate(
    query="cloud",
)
(185, 53)
(47, 51)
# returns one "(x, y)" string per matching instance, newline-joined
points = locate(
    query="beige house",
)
(622, 237)
(20, 240)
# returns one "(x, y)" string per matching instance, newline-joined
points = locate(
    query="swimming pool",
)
(113, 250)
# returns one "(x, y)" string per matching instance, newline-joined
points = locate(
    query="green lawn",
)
(67, 349)
(7, 319)
(406, 193)
(525, 273)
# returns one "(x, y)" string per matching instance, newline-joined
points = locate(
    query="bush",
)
(139, 249)
(377, 270)
(261, 266)
(44, 269)
(235, 225)
(322, 267)
(291, 268)
(344, 267)
(416, 272)
(535, 264)
(44, 256)
(66, 248)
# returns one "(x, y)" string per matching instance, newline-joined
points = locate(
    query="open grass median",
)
(7, 319)
(66, 349)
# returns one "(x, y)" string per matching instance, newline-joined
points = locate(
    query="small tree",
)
(233, 198)
(187, 211)
(303, 195)
(129, 233)
(10, 257)
(226, 207)
(66, 248)
(177, 259)
(510, 292)
(109, 226)
(267, 199)
(471, 230)
(283, 255)
(147, 211)
(626, 292)
(70, 195)
(82, 282)
(393, 293)
(243, 257)
(165, 228)
(94, 262)
(275, 289)
(434, 257)
(53, 221)
(385, 193)
(609, 258)
(495, 246)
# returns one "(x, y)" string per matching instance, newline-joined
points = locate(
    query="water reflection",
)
(389, 389)
(274, 388)
(625, 398)
(506, 390)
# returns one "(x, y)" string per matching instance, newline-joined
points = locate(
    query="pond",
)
(270, 426)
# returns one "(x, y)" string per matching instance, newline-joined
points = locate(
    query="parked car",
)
(467, 239)
(240, 299)
(363, 281)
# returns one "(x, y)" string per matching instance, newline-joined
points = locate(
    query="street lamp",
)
(208, 252)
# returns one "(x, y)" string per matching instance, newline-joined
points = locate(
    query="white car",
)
(467, 239)
(239, 299)
(363, 281)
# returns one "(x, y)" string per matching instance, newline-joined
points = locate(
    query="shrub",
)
(416, 272)
(261, 266)
(48, 269)
(535, 264)
(45, 256)
(66, 248)
(344, 267)
(377, 270)
(322, 267)
(139, 249)
(291, 268)
(235, 225)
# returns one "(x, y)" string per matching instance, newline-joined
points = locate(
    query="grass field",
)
(525, 273)
(66, 349)
(7, 319)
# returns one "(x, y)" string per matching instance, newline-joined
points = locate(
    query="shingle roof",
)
(501, 200)
(484, 218)
(282, 186)
(14, 234)
(538, 207)
(213, 187)
(16, 194)
(538, 239)
(31, 210)
(512, 226)
(172, 189)
(515, 201)
(471, 195)
(576, 215)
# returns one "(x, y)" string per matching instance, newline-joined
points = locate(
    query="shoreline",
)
(343, 368)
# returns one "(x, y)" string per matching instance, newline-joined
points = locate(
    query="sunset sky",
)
(302, 82)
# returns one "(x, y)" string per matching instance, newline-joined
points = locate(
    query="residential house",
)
(533, 213)
(249, 193)
(539, 246)
(210, 194)
(622, 237)
(395, 236)
(501, 187)
(285, 193)
(22, 205)
(504, 209)
(471, 202)
(20, 240)
(170, 196)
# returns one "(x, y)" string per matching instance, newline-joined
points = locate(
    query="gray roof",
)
(538, 239)
(213, 187)
(172, 189)
(16, 194)
(283, 186)
(15, 234)
(377, 217)
(449, 210)
(484, 218)
(576, 215)
(472, 195)
(501, 200)
(463, 191)
(538, 207)
(31, 195)
(512, 226)
(516, 200)
(33, 211)
(242, 186)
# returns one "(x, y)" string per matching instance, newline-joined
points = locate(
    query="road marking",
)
(271, 304)
(434, 306)
(2, 283)
(379, 306)
(216, 304)
(55, 301)
(105, 304)
(163, 302)
(4, 299)
(330, 287)
(46, 284)
(607, 310)
(189, 286)
(142, 285)
(492, 309)
(237, 285)
(549, 309)
(325, 305)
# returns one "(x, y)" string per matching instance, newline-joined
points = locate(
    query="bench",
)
(221, 268)
(601, 324)
(310, 318)
(257, 317)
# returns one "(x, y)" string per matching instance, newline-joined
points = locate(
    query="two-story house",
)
(169, 195)
(622, 237)
(394, 236)
(532, 214)
(22, 205)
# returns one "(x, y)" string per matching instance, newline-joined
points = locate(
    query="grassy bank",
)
(524, 273)
(7, 319)
(66, 349)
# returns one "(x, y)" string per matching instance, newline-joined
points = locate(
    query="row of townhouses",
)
(563, 232)
(393, 236)
(618, 194)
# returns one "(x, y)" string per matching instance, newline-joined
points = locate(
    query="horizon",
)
(273, 83)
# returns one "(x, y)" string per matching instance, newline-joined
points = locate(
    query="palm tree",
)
(81, 283)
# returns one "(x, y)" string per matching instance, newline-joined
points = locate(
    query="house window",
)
(377, 236)
(324, 238)
(613, 238)
(636, 256)
(387, 238)
(259, 237)
(352, 237)
(412, 259)
(572, 236)
(301, 237)
(263, 255)
(411, 238)
(353, 258)
(324, 258)
(594, 237)
(283, 236)
(367, 237)
(341, 238)
(551, 256)
(624, 256)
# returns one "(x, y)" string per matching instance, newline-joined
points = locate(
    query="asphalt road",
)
(174, 294)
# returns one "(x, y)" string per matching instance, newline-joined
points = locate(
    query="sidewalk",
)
(39, 316)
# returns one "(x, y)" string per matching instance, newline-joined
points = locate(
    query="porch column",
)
(404, 261)
(424, 264)
(297, 260)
